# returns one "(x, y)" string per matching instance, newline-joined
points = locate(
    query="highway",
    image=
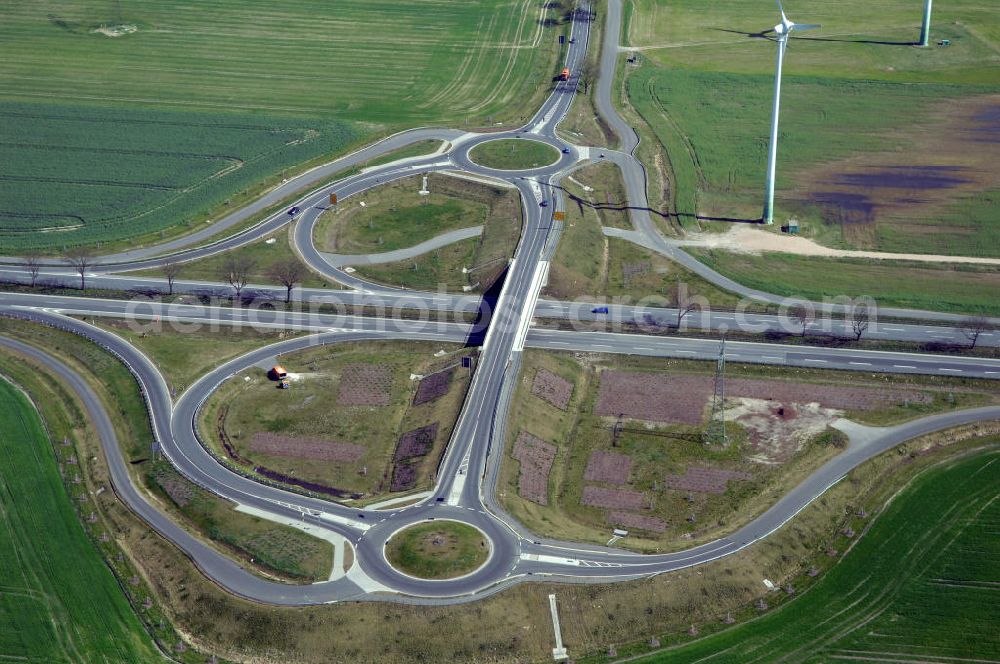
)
(655, 316)
(467, 476)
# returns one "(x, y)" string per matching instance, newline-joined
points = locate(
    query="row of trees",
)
(236, 270)
(685, 300)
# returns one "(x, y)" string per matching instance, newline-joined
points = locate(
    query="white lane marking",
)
(904, 366)
(954, 370)
(555, 560)
(770, 357)
(861, 364)
(819, 361)
(336, 518)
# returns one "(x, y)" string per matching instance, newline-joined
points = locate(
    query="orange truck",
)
(565, 75)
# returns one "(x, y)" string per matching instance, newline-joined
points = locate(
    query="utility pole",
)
(715, 432)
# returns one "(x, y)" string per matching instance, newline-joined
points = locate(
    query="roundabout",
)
(513, 154)
(438, 549)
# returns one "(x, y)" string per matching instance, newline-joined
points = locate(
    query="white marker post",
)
(559, 652)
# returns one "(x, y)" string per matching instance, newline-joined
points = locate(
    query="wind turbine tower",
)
(782, 30)
(925, 27)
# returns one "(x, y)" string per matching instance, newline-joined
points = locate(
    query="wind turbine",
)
(925, 27)
(782, 30)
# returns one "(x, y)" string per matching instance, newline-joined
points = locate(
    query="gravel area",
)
(536, 457)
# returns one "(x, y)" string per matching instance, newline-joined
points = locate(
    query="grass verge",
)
(467, 265)
(397, 216)
(183, 356)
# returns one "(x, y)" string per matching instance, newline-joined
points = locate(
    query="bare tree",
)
(974, 326)
(236, 270)
(289, 273)
(588, 72)
(171, 270)
(802, 314)
(684, 300)
(32, 266)
(80, 259)
(860, 317)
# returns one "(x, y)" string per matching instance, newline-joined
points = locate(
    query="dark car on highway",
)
(293, 211)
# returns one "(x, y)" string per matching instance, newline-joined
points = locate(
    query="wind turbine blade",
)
(781, 9)
(806, 26)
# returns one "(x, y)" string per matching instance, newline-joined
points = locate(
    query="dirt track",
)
(749, 240)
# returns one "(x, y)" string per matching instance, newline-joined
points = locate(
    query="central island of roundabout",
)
(438, 549)
(514, 154)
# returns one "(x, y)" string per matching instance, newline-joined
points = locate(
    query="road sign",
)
(333, 199)
(559, 215)
(562, 39)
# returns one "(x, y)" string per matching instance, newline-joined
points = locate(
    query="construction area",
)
(676, 452)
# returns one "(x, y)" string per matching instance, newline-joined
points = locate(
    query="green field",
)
(884, 146)
(60, 602)
(858, 39)
(513, 154)
(372, 61)
(714, 126)
(106, 138)
(84, 174)
(438, 550)
(919, 586)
